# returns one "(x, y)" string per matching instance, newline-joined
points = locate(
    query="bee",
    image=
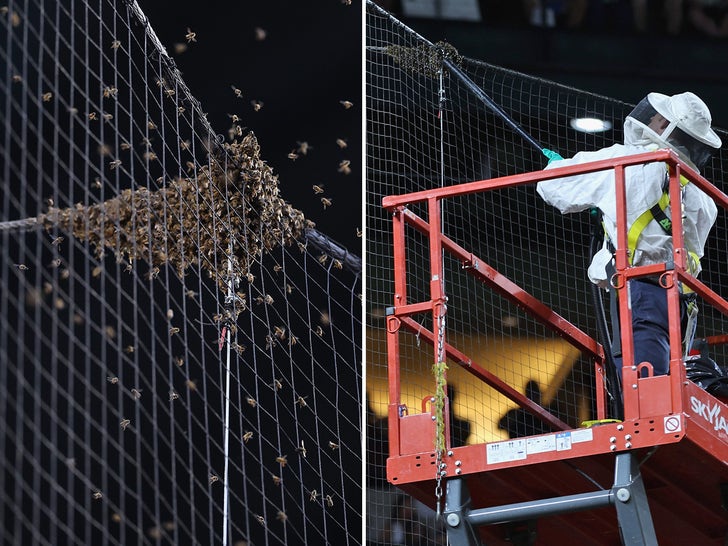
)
(238, 348)
(346, 104)
(319, 331)
(60, 304)
(251, 401)
(97, 495)
(22, 267)
(293, 340)
(184, 144)
(277, 385)
(125, 423)
(108, 117)
(173, 330)
(317, 189)
(180, 109)
(341, 143)
(136, 393)
(65, 273)
(96, 271)
(260, 34)
(110, 332)
(93, 116)
(17, 78)
(170, 314)
(116, 518)
(346, 2)
(238, 92)
(260, 519)
(276, 479)
(125, 146)
(282, 460)
(313, 496)
(344, 166)
(247, 436)
(190, 36)
(112, 379)
(169, 92)
(191, 294)
(213, 478)
(338, 264)
(326, 202)
(180, 361)
(329, 501)
(293, 156)
(301, 401)
(333, 445)
(323, 259)
(152, 126)
(191, 385)
(234, 117)
(129, 349)
(97, 182)
(47, 288)
(304, 147)
(152, 273)
(173, 395)
(359, 232)
(281, 516)
(110, 92)
(279, 332)
(301, 450)
(277, 268)
(150, 156)
(257, 105)
(72, 110)
(47, 96)
(180, 48)
(116, 44)
(114, 164)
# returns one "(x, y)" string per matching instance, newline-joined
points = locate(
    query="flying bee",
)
(293, 156)
(213, 478)
(22, 267)
(276, 479)
(359, 232)
(318, 188)
(301, 401)
(260, 34)
(234, 117)
(251, 401)
(190, 36)
(191, 384)
(319, 331)
(279, 332)
(301, 450)
(329, 501)
(110, 92)
(47, 96)
(304, 147)
(277, 385)
(184, 144)
(333, 445)
(112, 379)
(114, 164)
(346, 104)
(326, 202)
(93, 116)
(323, 259)
(341, 143)
(282, 460)
(292, 340)
(96, 271)
(125, 423)
(180, 48)
(260, 519)
(125, 146)
(116, 44)
(313, 496)
(129, 349)
(338, 264)
(57, 241)
(151, 125)
(281, 516)
(256, 104)
(247, 436)
(169, 92)
(344, 166)
(238, 92)
(108, 117)
(97, 495)
(136, 393)
(277, 268)
(173, 395)
(173, 330)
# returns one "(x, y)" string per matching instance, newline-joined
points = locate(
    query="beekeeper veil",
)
(680, 122)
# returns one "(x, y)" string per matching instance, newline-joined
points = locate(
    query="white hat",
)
(689, 113)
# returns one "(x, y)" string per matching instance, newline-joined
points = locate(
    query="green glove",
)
(551, 155)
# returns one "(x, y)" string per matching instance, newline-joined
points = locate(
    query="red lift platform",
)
(660, 475)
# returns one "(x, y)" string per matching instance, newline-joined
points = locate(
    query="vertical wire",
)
(226, 423)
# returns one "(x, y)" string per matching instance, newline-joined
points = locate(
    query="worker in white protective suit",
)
(680, 122)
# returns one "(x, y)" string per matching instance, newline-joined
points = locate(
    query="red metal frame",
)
(650, 419)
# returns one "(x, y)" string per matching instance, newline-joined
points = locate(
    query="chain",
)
(439, 371)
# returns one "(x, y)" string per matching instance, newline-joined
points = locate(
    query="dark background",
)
(309, 61)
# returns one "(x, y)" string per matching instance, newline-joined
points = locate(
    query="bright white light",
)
(590, 125)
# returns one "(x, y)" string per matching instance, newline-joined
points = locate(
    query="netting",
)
(179, 347)
(427, 128)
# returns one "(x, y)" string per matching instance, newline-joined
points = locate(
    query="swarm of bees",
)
(233, 202)
(425, 59)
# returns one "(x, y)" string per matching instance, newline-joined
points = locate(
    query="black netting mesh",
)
(179, 349)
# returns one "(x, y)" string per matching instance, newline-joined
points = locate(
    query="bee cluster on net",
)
(233, 202)
(425, 59)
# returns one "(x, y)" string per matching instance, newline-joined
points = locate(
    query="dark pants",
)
(650, 329)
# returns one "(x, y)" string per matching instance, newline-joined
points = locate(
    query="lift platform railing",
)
(650, 417)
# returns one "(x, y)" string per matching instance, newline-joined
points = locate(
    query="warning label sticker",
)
(541, 444)
(502, 452)
(563, 441)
